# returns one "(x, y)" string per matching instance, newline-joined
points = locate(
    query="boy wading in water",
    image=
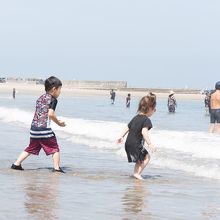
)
(137, 130)
(41, 135)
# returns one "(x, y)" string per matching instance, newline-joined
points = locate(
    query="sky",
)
(157, 43)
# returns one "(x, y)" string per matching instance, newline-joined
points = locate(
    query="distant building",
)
(35, 80)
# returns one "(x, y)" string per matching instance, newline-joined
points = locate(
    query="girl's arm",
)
(53, 117)
(126, 130)
(146, 137)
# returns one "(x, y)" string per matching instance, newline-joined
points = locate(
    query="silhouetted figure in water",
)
(112, 94)
(13, 93)
(128, 100)
(207, 102)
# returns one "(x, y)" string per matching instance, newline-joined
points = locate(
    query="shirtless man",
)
(215, 110)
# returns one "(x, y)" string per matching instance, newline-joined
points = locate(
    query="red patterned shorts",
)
(49, 146)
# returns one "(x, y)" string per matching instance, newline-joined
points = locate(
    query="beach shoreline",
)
(37, 89)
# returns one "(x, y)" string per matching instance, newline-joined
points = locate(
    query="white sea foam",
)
(10, 115)
(197, 153)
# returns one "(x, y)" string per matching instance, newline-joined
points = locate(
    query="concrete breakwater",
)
(87, 84)
(165, 90)
(78, 84)
(98, 85)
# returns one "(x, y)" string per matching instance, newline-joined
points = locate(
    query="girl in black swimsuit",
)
(137, 130)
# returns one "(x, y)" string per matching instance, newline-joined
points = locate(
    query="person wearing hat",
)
(171, 103)
(215, 110)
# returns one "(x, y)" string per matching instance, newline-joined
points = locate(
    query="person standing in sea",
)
(207, 102)
(13, 93)
(171, 103)
(128, 100)
(112, 96)
(215, 110)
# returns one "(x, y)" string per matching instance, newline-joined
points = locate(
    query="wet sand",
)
(97, 185)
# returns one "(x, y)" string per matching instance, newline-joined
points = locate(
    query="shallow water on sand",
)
(97, 183)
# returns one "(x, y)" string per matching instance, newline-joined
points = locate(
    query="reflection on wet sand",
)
(211, 211)
(134, 201)
(41, 196)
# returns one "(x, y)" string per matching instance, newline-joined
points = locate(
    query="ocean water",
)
(183, 175)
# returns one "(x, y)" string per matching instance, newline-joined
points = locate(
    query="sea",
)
(182, 180)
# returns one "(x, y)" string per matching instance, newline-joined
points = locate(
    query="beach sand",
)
(32, 89)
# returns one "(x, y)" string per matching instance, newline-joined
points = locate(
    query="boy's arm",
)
(125, 131)
(146, 137)
(53, 117)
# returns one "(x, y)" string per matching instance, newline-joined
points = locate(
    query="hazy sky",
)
(156, 43)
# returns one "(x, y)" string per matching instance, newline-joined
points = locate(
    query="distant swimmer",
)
(171, 103)
(112, 96)
(128, 100)
(215, 110)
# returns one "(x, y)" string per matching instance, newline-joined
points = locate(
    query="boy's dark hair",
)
(147, 102)
(52, 82)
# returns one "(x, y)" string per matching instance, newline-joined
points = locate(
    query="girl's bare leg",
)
(139, 167)
(137, 170)
(144, 163)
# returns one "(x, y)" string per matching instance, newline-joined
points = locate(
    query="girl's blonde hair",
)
(146, 103)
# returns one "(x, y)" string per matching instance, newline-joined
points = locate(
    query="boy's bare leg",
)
(21, 158)
(56, 160)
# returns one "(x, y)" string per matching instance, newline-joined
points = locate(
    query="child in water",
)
(41, 135)
(137, 130)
